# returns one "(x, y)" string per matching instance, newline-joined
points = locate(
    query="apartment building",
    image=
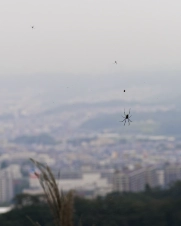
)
(88, 185)
(135, 180)
(120, 181)
(172, 173)
(6, 185)
(152, 176)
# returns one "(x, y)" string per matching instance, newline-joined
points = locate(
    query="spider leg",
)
(123, 116)
(129, 111)
(124, 112)
(123, 121)
(129, 120)
(130, 116)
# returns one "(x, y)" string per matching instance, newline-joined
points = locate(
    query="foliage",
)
(152, 207)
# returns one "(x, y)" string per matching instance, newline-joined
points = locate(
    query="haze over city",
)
(86, 37)
(70, 72)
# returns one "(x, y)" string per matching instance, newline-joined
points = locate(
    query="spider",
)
(128, 116)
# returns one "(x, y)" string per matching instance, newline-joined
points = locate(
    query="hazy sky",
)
(87, 36)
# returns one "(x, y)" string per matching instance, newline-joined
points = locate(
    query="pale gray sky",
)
(87, 36)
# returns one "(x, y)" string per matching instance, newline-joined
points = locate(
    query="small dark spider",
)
(128, 116)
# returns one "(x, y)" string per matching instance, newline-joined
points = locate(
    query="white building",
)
(120, 181)
(161, 177)
(172, 173)
(135, 180)
(91, 183)
(6, 185)
(153, 177)
(15, 171)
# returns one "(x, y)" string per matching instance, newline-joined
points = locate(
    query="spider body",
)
(126, 116)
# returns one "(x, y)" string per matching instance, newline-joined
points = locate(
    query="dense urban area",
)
(87, 148)
(90, 113)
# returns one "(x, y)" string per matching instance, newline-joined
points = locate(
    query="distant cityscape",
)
(94, 165)
(87, 148)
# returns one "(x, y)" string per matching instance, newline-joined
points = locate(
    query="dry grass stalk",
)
(33, 223)
(60, 204)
